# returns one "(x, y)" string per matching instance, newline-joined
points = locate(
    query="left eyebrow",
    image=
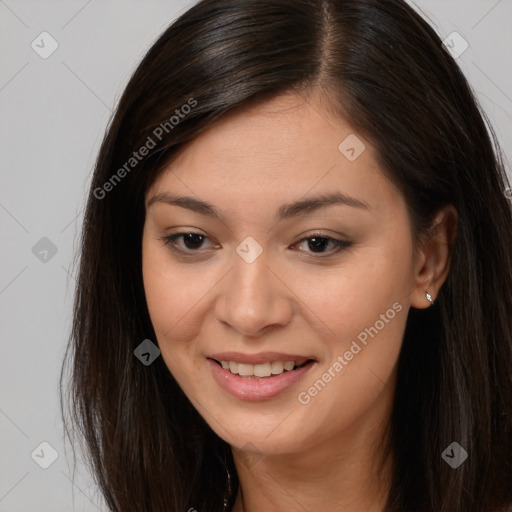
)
(286, 211)
(309, 205)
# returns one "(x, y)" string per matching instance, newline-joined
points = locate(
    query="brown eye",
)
(318, 243)
(191, 242)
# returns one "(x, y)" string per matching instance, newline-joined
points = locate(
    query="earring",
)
(429, 298)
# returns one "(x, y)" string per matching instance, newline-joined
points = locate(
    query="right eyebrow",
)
(190, 203)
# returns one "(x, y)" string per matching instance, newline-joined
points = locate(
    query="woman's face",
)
(262, 281)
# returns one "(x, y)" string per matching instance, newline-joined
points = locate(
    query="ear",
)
(432, 262)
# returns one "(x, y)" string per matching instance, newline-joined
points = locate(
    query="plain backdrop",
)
(53, 114)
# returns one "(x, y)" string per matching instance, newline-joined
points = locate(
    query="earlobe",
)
(433, 259)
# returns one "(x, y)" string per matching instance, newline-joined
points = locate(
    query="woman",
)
(295, 277)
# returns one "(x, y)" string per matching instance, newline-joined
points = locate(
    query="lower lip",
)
(257, 389)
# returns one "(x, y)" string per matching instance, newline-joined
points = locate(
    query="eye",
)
(191, 241)
(317, 243)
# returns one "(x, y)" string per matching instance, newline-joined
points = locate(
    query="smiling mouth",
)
(261, 371)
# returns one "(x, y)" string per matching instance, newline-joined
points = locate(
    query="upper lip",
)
(261, 357)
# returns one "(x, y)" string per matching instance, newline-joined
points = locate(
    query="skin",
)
(322, 455)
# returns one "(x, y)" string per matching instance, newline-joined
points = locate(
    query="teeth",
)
(258, 370)
(244, 369)
(262, 370)
(276, 367)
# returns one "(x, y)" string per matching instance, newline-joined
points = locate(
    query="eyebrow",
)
(286, 211)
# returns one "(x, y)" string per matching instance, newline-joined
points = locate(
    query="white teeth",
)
(245, 369)
(262, 370)
(258, 370)
(276, 367)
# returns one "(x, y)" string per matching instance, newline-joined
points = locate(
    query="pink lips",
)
(257, 389)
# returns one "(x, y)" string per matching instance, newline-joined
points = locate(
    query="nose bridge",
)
(252, 297)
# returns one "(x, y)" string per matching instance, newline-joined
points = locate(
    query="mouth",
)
(261, 376)
(265, 370)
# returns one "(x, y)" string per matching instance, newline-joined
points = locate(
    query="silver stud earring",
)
(429, 298)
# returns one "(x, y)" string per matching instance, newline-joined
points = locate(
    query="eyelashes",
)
(170, 241)
(315, 241)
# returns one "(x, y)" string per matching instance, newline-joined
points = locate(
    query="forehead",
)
(274, 152)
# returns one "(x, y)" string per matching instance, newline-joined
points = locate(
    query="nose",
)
(253, 298)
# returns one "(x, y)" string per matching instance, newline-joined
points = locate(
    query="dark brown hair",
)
(386, 71)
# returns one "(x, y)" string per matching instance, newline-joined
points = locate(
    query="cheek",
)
(352, 297)
(178, 302)
(166, 307)
(364, 304)
(171, 290)
(160, 290)
(170, 296)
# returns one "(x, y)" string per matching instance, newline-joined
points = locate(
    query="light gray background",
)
(53, 115)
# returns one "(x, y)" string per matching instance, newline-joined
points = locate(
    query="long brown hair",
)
(386, 71)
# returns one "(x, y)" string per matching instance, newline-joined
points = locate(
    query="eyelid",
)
(169, 242)
(339, 244)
